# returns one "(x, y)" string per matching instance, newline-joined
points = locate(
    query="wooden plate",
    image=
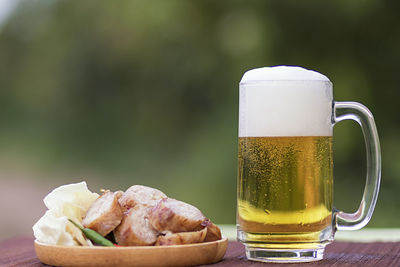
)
(179, 255)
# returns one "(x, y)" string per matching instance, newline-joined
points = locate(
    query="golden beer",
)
(285, 189)
(285, 169)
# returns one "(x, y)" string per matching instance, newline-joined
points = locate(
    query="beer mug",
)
(285, 168)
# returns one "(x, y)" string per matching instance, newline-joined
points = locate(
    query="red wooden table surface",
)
(19, 251)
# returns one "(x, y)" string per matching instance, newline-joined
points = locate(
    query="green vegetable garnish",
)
(93, 235)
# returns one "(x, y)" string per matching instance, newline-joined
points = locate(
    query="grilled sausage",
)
(181, 238)
(135, 229)
(213, 231)
(104, 214)
(139, 194)
(171, 215)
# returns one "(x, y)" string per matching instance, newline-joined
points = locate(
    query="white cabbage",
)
(65, 202)
(51, 229)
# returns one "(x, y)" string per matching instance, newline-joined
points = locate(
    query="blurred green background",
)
(146, 92)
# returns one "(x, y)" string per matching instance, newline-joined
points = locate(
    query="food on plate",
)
(93, 235)
(139, 194)
(105, 214)
(181, 238)
(135, 229)
(63, 203)
(175, 216)
(213, 231)
(140, 216)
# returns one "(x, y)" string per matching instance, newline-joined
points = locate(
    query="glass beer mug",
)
(285, 167)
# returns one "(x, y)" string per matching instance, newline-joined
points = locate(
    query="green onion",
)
(93, 235)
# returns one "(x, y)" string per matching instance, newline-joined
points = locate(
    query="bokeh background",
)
(118, 93)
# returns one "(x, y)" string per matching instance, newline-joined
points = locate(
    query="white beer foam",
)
(285, 101)
(282, 73)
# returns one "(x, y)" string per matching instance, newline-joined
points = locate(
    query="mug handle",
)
(361, 114)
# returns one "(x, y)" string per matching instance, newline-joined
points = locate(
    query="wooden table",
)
(19, 251)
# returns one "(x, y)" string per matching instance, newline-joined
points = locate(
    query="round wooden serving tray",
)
(178, 255)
